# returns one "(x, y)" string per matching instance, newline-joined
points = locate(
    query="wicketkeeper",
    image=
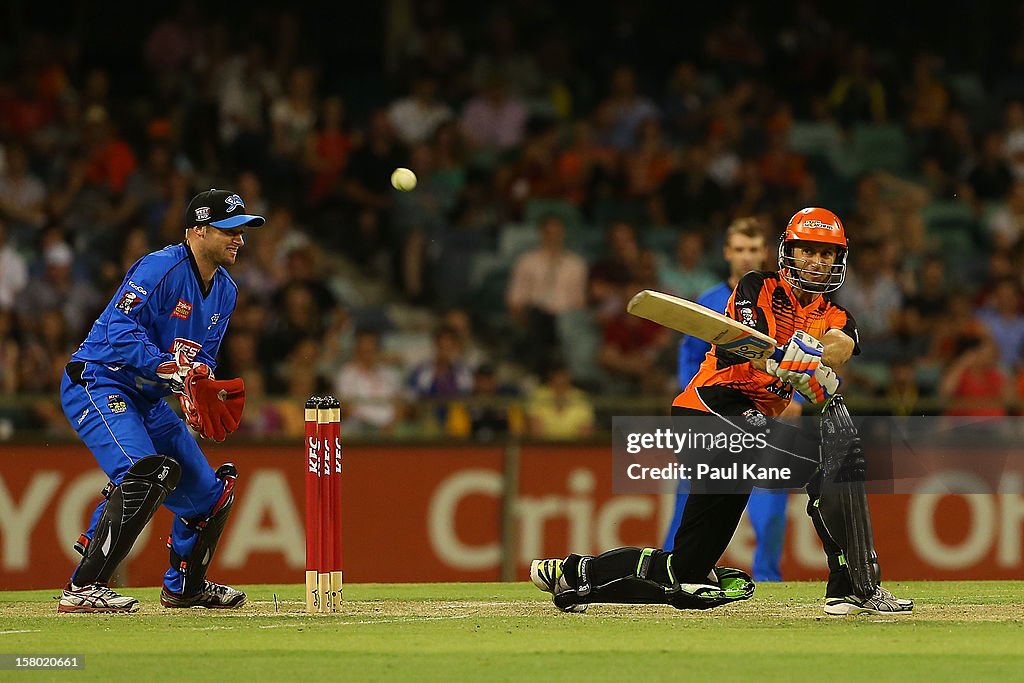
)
(745, 395)
(159, 335)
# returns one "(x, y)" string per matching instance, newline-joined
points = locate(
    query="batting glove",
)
(801, 356)
(819, 387)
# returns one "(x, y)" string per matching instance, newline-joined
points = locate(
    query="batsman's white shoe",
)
(547, 576)
(96, 597)
(882, 602)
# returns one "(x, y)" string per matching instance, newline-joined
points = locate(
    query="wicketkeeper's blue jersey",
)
(160, 308)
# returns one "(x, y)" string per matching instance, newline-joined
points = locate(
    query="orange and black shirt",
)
(765, 302)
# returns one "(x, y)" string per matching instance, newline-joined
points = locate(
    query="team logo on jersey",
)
(748, 317)
(755, 418)
(116, 403)
(234, 202)
(189, 347)
(127, 302)
(202, 214)
(182, 309)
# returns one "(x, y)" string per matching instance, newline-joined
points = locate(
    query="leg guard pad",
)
(843, 505)
(209, 528)
(644, 576)
(129, 507)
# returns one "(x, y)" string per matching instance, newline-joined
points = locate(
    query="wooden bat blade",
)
(701, 322)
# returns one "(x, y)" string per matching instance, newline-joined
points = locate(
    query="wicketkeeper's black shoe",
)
(212, 595)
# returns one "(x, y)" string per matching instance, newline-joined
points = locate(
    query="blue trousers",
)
(767, 513)
(120, 426)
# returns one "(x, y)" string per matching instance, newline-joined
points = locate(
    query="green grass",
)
(960, 631)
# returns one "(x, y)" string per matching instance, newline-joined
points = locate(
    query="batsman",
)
(818, 336)
(159, 336)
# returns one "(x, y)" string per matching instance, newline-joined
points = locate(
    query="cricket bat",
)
(701, 322)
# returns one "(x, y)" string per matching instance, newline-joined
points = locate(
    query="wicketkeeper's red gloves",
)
(213, 407)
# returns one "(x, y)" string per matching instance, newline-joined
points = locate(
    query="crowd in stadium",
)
(552, 186)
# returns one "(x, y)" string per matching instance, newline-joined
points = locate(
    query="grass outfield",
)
(424, 632)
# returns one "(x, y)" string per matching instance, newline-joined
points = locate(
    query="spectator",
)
(367, 183)
(56, 289)
(872, 291)
(647, 166)
(110, 158)
(559, 411)
(927, 102)
(685, 107)
(293, 116)
(545, 283)
(502, 59)
(688, 276)
(901, 393)
(535, 173)
(13, 271)
(327, 151)
(585, 168)
(296, 317)
(10, 353)
(1005, 323)
(1013, 142)
(370, 391)
(858, 96)
(975, 384)
(626, 108)
(989, 176)
(484, 416)
(442, 377)
(416, 116)
(493, 120)
(1006, 224)
(960, 329)
(22, 195)
(245, 85)
(631, 350)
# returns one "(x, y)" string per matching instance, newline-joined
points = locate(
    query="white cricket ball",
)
(403, 179)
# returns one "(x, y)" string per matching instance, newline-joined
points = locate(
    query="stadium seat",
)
(818, 140)
(878, 146)
(968, 91)
(489, 296)
(517, 238)
(535, 209)
(944, 214)
(580, 342)
(586, 240)
(660, 240)
(483, 264)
